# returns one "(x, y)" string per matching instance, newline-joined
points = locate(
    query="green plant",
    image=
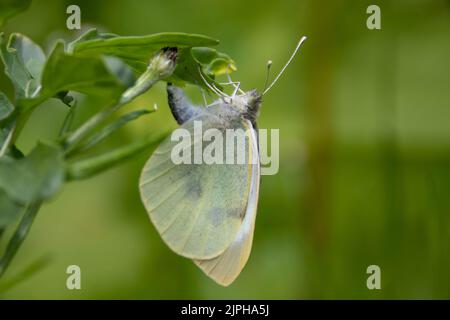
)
(96, 64)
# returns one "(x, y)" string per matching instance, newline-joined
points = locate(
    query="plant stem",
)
(94, 165)
(68, 120)
(35, 266)
(145, 82)
(9, 138)
(83, 131)
(19, 235)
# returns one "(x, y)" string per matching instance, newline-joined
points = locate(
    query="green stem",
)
(88, 167)
(19, 235)
(34, 267)
(68, 120)
(22, 119)
(82, 132)
(145, 82)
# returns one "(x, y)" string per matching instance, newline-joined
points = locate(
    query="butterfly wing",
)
(225, 268)
(198, 209)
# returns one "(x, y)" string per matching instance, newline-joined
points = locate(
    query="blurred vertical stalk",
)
(319, 72)
(390, 161)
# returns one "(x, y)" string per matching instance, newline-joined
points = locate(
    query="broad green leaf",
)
(23, 60)
(64, 72)
(10, 8)
(113, 127)
(9, 210)
(137, 51)
(36, 177)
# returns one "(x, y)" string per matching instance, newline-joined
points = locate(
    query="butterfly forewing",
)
(198, 209)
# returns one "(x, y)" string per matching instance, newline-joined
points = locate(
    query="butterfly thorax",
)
(227, 108)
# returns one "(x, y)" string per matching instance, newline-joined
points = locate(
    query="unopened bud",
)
(164, 62)
(160, 67)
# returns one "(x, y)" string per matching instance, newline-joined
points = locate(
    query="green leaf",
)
(37, 176)
(89, 35)
(113, 127)
(14, 152)
(214, 62)
(9, 210)
(68, 120)
(6, 107)
(189, 70)
(121, 70)
(23, 60)
(64, 72)
(10, 8)
(137, 51)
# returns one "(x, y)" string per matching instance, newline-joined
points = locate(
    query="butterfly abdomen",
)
(182, 109)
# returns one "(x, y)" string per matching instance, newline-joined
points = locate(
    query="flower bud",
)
(161, 66)
(164, 63)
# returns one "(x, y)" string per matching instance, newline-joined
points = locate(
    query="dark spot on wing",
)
(195, 189)
(216, 214)
(236, 212)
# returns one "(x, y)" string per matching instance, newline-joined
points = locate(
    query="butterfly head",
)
(247, 103)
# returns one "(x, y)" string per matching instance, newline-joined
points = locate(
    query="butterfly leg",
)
(205, 103)
(236, 89)
(182, 109)
(235, 84)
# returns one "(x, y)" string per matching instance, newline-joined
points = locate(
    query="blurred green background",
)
(364, 119)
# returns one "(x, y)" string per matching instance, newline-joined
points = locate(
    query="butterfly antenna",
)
(269, 64)
(286, 65)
